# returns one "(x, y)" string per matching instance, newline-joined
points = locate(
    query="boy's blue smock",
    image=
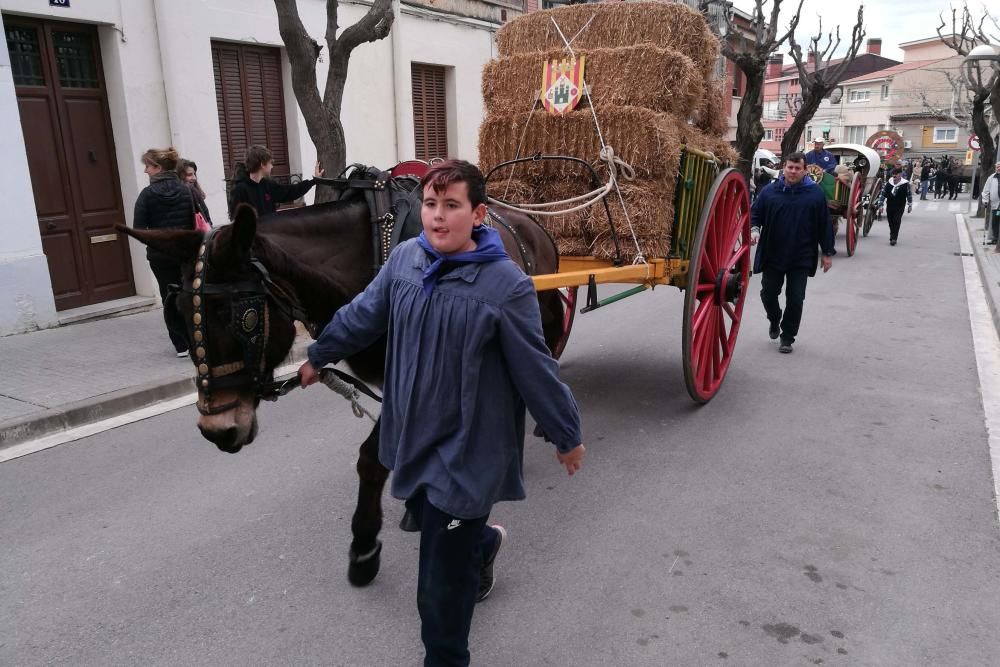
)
(460, 366)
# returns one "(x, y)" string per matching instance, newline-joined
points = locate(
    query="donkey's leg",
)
(366, 548)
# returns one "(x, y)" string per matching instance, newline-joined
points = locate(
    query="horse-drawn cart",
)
(709, 258)
(852, 194)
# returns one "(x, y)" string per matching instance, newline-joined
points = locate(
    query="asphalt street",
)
(833, 506)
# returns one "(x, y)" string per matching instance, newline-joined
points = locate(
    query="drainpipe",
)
(398, 71)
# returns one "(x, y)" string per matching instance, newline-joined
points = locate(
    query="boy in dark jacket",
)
(896, 196)
(465, 356)
(165, 203)
(253, 184)
(789, 222)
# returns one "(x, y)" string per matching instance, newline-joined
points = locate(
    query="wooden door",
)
(63, 106)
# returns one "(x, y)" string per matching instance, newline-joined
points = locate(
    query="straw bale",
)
(710, 114)
(661, 79)
(649, 204)
(614, 25)
(649, 141)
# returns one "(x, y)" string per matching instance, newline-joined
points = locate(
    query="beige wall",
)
(928, 51)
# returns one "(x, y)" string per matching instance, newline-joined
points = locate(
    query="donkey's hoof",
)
(409, 523)
(364, 567)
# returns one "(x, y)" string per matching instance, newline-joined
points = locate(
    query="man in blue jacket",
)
(465, 355)
(820, 156)
(789, 223)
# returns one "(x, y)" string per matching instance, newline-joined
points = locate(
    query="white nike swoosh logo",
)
(455, 523)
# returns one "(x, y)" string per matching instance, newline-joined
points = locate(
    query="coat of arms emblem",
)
(562, 85)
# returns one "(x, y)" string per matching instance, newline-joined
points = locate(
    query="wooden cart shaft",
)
(576, 271)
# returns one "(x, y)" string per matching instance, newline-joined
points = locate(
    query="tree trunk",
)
(987, 154)
(749, 130)
(790, 142)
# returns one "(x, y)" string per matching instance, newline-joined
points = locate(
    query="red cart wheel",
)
(852, 217)
(718, 276)
(568, 299)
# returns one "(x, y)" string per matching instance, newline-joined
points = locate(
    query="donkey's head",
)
(239, 332)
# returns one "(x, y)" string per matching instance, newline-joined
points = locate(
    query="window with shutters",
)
(430, 115)
(250, 100)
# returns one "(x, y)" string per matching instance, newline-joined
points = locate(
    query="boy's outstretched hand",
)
(573, 459)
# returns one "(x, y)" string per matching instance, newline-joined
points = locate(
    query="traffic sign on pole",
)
(974, 143)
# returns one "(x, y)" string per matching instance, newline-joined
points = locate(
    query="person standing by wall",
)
(990, 197)
(253, 185)
(789, 223)
(188, 172)
(465, 356)
(896, 196)
(165, 204)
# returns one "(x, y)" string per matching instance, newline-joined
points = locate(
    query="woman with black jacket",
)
(188, 172)
(165, 203)
(254, 186)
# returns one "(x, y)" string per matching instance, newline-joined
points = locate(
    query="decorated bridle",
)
(249, 300)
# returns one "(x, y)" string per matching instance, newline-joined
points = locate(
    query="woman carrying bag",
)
(166, 203)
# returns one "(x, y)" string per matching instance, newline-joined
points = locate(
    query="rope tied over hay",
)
(613, 162)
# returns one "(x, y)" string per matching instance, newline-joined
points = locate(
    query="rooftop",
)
(892, 71)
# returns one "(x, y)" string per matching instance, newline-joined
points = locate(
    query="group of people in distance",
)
(174, 196)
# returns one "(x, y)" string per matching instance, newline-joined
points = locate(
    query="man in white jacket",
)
(991, 198)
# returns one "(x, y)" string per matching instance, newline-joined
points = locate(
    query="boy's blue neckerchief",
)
(489, 248)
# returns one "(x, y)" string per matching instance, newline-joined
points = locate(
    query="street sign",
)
(974, 143)
(58, 3)
(968, 157)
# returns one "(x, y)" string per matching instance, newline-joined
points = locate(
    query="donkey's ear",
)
(181, 244)
(244, 228)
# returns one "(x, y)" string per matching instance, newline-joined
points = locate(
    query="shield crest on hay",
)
(562, 85)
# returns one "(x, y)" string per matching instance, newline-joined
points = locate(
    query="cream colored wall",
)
(161, 89)
(928, 51)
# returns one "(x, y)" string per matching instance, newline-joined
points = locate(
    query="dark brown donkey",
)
(303, 264)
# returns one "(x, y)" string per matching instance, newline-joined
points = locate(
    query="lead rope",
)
(347, 391)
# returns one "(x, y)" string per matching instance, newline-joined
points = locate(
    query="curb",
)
(988, 276)
(97, 408)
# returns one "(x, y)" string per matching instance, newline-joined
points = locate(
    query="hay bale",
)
(649, 204)
(661, 79)
(612, 25)
(651, 142)
(710, 114)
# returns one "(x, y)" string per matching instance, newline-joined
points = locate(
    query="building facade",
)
(783, 95)
(87, 87)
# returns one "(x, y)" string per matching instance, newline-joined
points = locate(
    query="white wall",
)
(161, 91)
(26, 301)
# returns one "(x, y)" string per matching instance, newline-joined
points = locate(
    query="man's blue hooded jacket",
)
(794, 223)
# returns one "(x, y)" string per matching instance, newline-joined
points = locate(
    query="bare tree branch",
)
(322, 114)
(821, 81)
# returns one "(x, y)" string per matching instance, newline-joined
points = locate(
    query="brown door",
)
(63, 104)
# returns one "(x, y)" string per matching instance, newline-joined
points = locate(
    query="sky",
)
(895, 21)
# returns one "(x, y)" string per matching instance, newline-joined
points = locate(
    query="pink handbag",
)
(200, 223)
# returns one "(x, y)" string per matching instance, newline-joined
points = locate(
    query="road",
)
(833, 506)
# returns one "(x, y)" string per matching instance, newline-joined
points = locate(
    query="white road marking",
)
(933, 206)
(954, 207)
(87, 430)
(987, 349)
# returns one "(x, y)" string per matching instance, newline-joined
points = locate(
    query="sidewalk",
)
(69, 376)
(988, 263)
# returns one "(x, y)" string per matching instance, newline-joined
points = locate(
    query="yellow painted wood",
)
(576, 271)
